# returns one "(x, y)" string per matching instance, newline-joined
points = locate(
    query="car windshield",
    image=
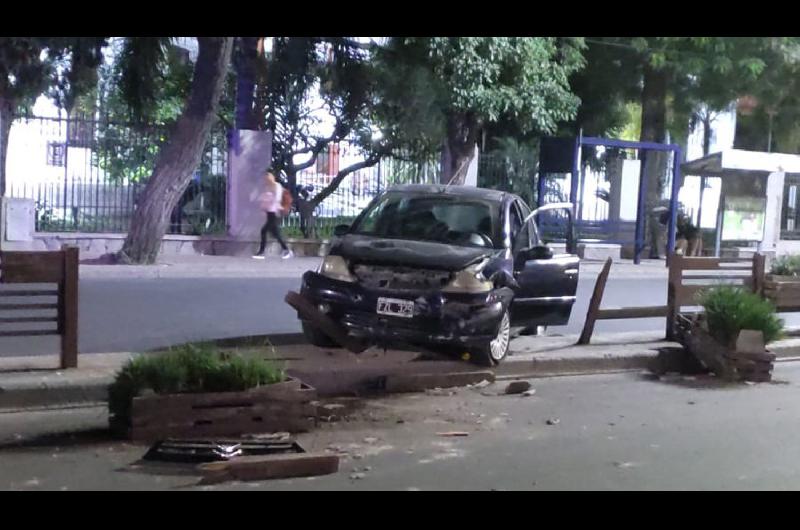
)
(441, 218)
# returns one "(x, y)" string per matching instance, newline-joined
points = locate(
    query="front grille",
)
(400, 278)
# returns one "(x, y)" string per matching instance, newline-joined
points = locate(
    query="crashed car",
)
(444, 267)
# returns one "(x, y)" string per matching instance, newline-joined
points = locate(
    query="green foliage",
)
(788, 265)
(731, 309)
(190, 368)
(511, 166)
(428, 80)
(324, 227)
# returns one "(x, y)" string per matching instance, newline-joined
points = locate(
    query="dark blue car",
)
(450, 266)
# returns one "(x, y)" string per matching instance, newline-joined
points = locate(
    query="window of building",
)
(790, 213)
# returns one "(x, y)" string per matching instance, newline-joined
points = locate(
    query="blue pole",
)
(673, 203)
(640, 211)
(540, 189)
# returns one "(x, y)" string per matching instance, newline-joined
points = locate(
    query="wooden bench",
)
(704, 273)
(59, 268)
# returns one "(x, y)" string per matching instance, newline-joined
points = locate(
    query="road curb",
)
(340, 380)
(16, 398)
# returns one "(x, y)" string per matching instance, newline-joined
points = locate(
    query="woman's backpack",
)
(286, 201)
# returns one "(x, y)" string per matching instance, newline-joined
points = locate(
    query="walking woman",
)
(271, 203)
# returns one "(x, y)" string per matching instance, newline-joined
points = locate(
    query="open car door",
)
(547, 282)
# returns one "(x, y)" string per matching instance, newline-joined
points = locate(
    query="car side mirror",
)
(529, 254)
(340, 230)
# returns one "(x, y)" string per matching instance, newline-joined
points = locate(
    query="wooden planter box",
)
(280, 407)
(732, 363)
(783, 291)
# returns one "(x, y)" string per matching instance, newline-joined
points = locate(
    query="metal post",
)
(638, 243)
(66, 176)
(575, 180)
(673, 203)
(718, 238)
(540, 190)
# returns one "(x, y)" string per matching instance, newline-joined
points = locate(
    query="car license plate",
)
(395, 307)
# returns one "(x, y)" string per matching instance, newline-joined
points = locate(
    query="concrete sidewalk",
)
(33, 382)
(193, 266)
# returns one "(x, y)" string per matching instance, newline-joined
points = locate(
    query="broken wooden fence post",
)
(673, 284)
(594, 304)
(68, 308)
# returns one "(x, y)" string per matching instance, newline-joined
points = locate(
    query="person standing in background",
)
(271, 202)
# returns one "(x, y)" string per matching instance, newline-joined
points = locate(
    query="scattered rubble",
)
(517, 387)
(553, 421)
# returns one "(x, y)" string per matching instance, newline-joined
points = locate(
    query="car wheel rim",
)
(499, 345)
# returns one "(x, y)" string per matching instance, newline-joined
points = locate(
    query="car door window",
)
(530, 227)
(520, 234)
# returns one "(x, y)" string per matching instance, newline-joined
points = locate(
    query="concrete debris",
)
(517, 387)
(553, 421)
(453, 434)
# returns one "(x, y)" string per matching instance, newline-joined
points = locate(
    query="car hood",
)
(409, 253)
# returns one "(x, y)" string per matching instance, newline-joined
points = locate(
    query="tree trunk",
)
(307, 222)
(462, 136)
(706, 148)
(654, 129)
(6, 119)
(181, 154)
(245, 64)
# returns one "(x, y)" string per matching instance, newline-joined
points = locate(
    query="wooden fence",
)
(22, 275)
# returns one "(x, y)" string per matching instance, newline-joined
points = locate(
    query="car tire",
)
(495, 351)
(317, 338)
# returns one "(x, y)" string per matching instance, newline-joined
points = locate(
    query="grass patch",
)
(731, 309)
(190, 368)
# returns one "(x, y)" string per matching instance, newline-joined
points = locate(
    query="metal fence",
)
(86, 174)
(357, 189)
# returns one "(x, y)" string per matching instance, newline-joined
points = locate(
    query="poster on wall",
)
(743, 218)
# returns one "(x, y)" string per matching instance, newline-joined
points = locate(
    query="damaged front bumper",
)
(440, 318)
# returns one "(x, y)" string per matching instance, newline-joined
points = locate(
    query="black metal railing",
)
(86, 174)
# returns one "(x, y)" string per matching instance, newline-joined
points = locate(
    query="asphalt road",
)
(144, 313)
(614, 432)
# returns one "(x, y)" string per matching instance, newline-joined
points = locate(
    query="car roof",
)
(455, 190)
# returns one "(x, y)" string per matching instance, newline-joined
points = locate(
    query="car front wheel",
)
(496, 350)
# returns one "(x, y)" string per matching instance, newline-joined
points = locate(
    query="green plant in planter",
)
(731, 309)
(788, 265)
(190, 368)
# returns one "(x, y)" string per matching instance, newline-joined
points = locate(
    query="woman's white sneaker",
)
(287, 254)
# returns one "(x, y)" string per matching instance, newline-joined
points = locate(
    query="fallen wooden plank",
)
(633, 312)
(250, 468)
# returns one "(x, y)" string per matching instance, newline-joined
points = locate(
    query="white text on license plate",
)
(396, 307)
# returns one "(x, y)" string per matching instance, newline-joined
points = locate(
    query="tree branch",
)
(373, 159)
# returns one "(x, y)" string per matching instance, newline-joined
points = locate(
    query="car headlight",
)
(335, 267)
(470, 280)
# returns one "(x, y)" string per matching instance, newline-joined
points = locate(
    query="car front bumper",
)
(441, 318)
